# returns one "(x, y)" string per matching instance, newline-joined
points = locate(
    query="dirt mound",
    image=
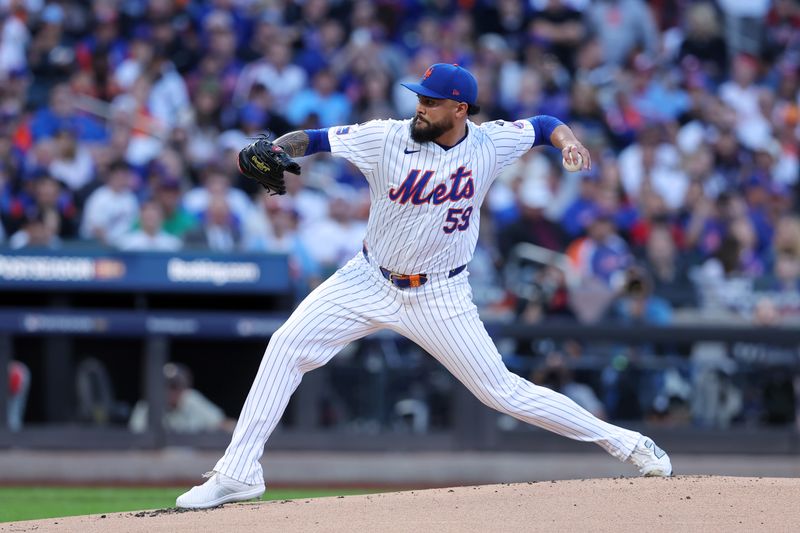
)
(690, 503)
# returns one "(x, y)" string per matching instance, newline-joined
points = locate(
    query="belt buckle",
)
(405, 281)
(401, 281)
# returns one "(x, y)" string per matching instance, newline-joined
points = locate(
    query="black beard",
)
(429, 133)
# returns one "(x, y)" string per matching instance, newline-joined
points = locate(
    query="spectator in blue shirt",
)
(323, 100)
(61, 114)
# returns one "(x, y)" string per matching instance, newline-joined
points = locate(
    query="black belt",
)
(404, 281)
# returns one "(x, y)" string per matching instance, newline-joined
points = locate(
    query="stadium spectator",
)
(720, 282)
(578, 214)
(494, 57)
(532, 226)
(655, 97)
(592, 68)
(623, 26)
(19, 383)
(273, 228)
(751, 263)
(744, 24)
(787, 236)
(73, 164)
(275, 72)
(651, 162)
(43, 199)
(637, 304)
(602, 254)
(781, 283)
(319, 106)
(555, 374)
(51, 59)
(167, 194)
(782, 26)
(266, 30)
(202, 136)
(111, 210)
(219, 62)
(139, 55)
(742, 93)
(770, 392)
(311, 204)
(587, 113)
(611, 198)
(216, 183)
(651, 210)
(144, 133)
(36, 232)
(186, 410)
(14, 39)
(669, 268)
(717, 399)
(150, 236)
(60, 114)
(560, 29)
(374, 102)
(169, 98)
(102, 50)
(702, 221)
(703, 48)
(505, 17)
(218, 228)
(333, 240)
(259, 116)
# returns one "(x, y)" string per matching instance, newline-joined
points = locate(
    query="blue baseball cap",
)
(451, 82)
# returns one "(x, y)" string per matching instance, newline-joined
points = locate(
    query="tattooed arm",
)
(304, 142)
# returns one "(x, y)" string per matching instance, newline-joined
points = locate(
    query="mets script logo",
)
(413, 188)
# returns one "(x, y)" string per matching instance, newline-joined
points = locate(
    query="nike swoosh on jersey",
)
(407, 151)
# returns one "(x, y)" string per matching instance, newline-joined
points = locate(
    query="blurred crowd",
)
(121, 120)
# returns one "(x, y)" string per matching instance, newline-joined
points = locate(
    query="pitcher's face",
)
(435, 117)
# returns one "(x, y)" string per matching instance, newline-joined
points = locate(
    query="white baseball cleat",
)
(650, 459)
(217, 490)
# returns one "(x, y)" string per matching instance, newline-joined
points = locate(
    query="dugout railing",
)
(472, 426)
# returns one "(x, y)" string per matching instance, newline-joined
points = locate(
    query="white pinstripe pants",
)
(439, 316)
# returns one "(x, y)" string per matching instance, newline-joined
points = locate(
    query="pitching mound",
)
(690, 503)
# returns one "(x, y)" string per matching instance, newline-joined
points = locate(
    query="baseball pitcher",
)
(427, 176)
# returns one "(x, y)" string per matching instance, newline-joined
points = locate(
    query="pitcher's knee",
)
(302, 353)
(500, 395)
(288, 346)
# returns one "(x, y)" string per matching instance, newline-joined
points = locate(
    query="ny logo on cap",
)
(428, 73)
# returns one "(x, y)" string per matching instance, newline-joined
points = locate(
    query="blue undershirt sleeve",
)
(543, 126)
(317, 141)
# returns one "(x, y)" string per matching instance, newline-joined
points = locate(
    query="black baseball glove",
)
(265, 162)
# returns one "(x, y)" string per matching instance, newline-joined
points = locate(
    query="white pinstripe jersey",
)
(425, 200)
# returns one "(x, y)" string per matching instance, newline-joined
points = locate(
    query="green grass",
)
(30, 503)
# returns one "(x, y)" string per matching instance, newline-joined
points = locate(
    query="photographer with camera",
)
(637, 304)
(639, 375)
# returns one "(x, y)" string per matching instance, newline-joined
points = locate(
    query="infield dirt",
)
(683, 503)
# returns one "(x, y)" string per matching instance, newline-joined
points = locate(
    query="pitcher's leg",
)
(328, 319)
(460, 342)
